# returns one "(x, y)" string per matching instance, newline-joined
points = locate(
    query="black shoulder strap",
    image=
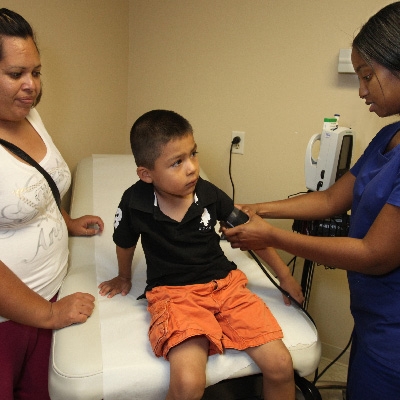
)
(26, 157)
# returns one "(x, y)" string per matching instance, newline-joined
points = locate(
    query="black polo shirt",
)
(177, 253)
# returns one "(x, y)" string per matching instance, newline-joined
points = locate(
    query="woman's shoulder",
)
(383, 137)
(36, 121)
(389, 130)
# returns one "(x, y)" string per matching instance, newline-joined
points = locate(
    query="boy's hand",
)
(293, 288)
(115, 286)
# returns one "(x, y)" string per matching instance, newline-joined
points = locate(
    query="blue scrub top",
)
(375, 299)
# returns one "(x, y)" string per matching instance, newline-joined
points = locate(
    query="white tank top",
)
(33, 234)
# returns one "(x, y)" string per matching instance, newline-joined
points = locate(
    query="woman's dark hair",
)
(379, 39)
(152, 131)
(13, 25)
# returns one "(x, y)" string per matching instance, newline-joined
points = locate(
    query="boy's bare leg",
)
(188, 369)
(276, 365)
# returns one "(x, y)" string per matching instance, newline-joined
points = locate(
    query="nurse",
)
(371, 190)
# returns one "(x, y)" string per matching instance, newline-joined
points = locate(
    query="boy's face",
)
(176, 170)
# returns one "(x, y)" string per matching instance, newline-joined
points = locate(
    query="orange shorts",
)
(224, 310)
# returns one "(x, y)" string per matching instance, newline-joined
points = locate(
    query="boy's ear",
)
(144, 174)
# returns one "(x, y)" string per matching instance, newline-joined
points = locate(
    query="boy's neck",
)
(174, 207)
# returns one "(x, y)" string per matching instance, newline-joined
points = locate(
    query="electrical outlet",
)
(239, 147)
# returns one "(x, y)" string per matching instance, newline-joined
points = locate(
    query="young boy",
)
(197, 298)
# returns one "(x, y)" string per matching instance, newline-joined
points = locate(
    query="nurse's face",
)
(378, 86)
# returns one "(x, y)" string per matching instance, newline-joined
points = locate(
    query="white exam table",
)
(109, 356)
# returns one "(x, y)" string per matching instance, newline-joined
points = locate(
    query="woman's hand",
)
(87, 225)
(253, 235)
(75, 308)
(248, 208)
(21, 304)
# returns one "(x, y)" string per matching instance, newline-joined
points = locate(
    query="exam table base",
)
(250, 387)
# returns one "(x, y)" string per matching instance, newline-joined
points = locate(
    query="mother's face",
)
(19, 78)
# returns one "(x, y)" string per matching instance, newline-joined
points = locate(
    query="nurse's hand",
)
(253, 235)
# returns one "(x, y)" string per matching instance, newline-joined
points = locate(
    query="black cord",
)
(230, 173)
(292, 261)
(235, 140)
(333, 361)
(296, 194)
(284, 292)
(317, 376)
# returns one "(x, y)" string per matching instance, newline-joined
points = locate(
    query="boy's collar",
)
(195, 199)
(143, 199)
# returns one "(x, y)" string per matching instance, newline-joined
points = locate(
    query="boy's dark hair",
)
(379, 38)
(152, 131)
(13, 25)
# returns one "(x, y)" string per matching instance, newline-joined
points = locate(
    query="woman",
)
(33, 229)
(371, 189)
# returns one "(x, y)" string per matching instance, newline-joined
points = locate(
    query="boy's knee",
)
(185, 393)
(274, 361)
(188, 386)
(280, 369)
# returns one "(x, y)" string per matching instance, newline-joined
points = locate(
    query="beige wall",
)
(268, 68)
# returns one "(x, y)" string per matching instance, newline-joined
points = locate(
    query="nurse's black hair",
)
(379, 39)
